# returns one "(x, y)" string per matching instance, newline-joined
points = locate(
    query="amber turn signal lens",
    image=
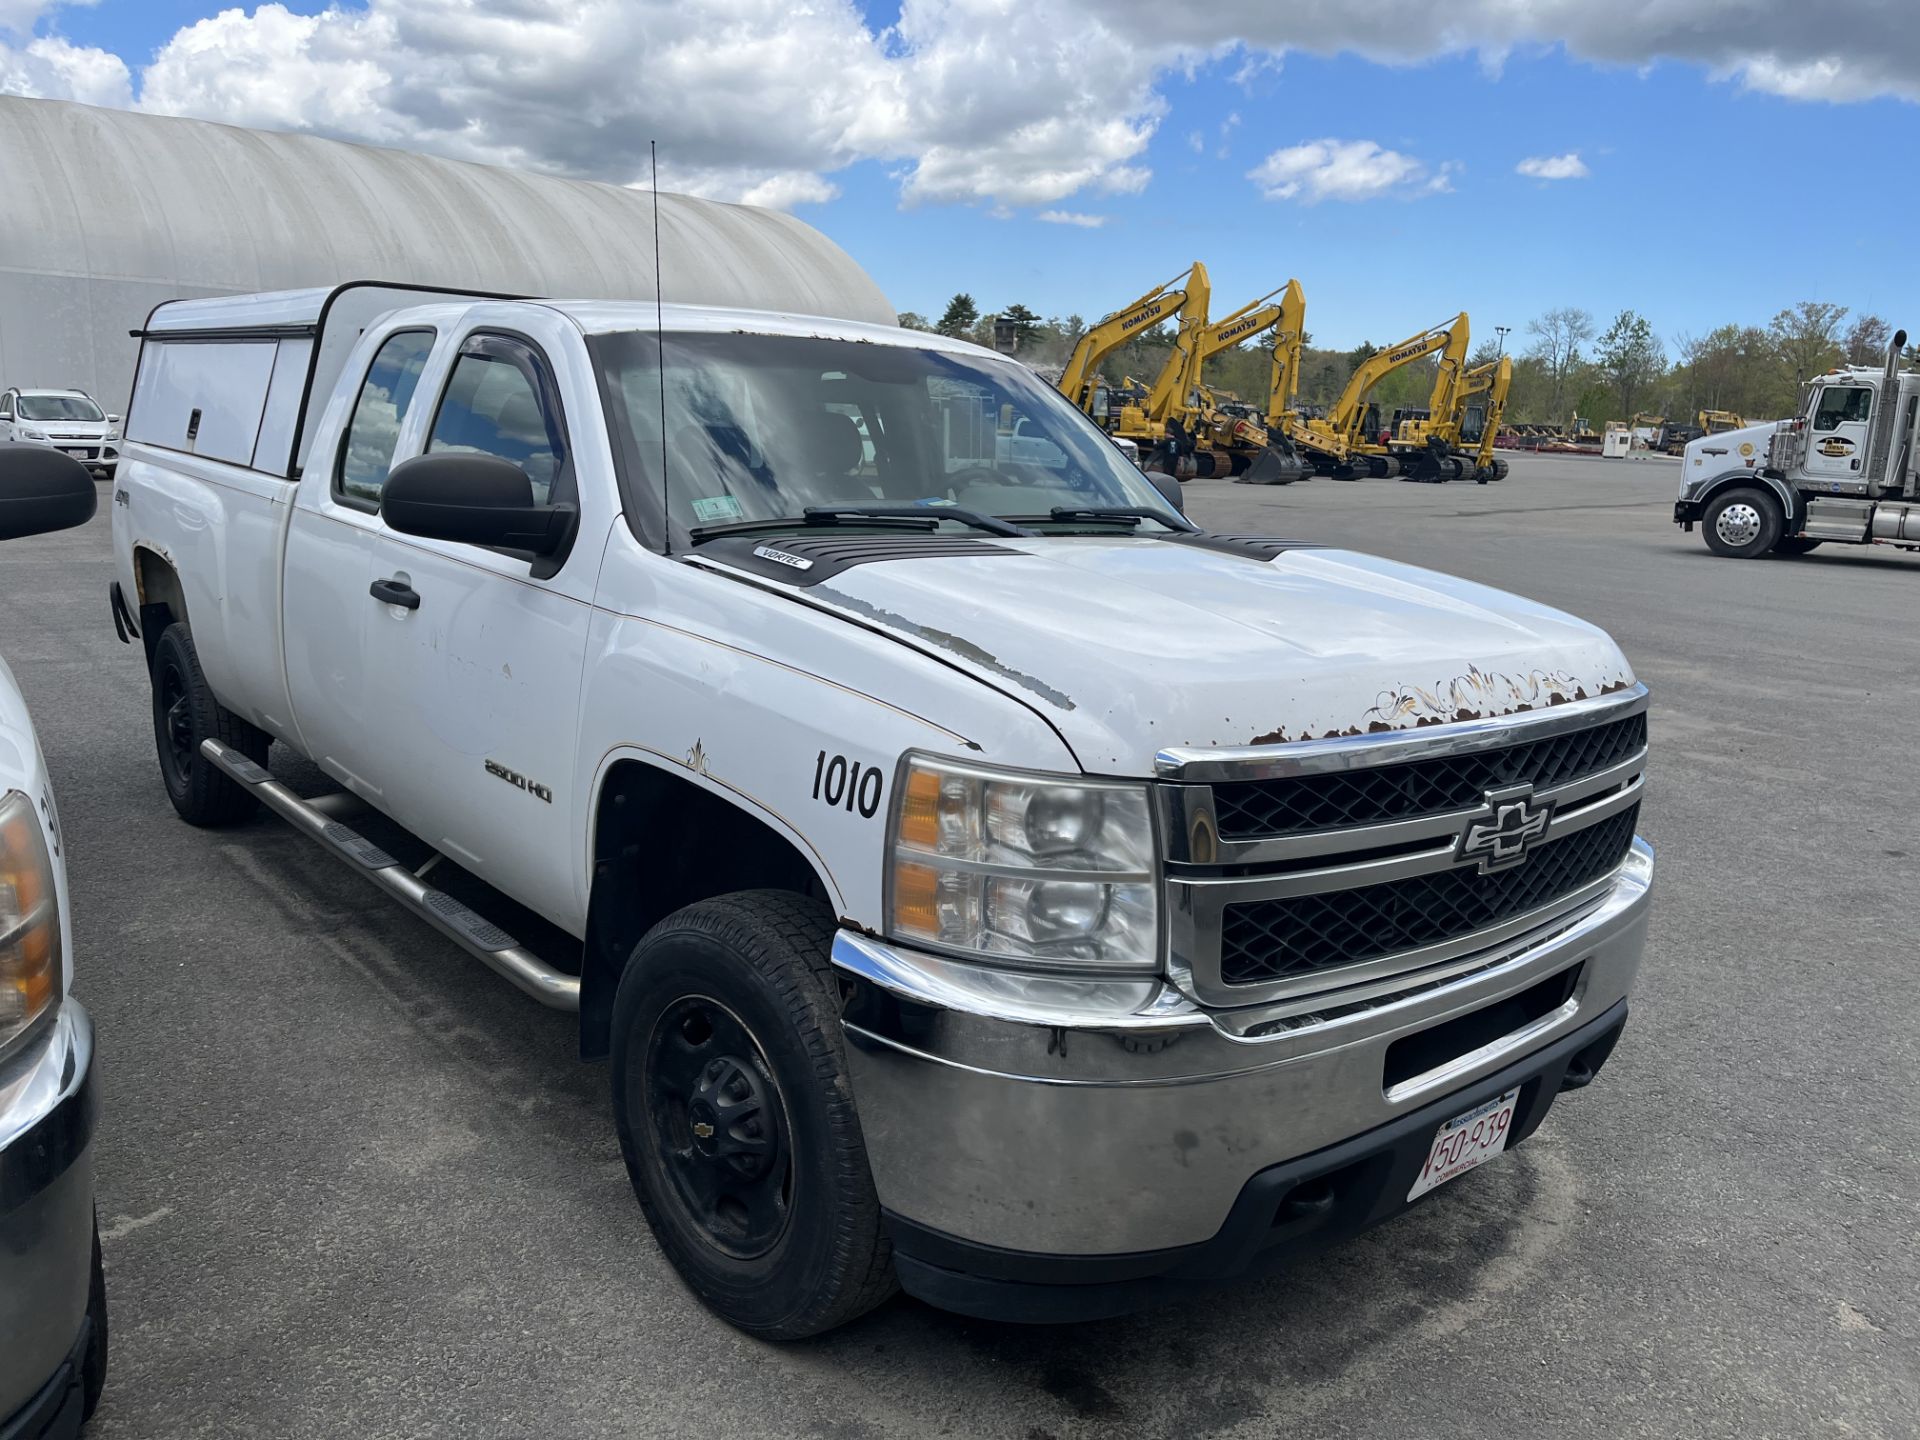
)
(916, 897)
(30, 959)
(920, 810)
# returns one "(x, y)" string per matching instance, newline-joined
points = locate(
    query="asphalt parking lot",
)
(352, 1185)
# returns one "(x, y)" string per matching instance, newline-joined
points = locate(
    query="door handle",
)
(395, 592)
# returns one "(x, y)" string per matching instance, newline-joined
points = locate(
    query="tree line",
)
(1567, 364)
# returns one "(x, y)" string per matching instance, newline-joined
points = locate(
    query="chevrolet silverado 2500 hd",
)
(983, 877)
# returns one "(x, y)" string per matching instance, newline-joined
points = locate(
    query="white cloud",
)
(52, 69)
(1319, 170)
(1554, 167)
(1072, 217)
(751, 99)
(19, 16)
(1836, 50)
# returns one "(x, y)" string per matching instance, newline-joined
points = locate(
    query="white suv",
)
(67, 420)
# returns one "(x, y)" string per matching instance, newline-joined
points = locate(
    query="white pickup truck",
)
(983, 878)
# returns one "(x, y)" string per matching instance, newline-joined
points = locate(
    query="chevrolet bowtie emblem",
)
(1500, 836)
(702, 1130)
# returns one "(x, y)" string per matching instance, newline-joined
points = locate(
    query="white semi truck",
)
(978, 876)
(1844, 469)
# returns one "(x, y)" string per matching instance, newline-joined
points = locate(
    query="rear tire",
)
(1795, 545)
(727, 1021)
(184, 714)
(1743, 523)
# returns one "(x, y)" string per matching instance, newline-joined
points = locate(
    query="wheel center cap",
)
(705, 1126)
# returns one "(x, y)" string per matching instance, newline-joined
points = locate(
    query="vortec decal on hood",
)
(1129, 646)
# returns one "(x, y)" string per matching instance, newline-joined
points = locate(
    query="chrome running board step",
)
(471, 931)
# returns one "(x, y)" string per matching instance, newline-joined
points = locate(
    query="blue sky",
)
(1705, 200)
(1691, 213)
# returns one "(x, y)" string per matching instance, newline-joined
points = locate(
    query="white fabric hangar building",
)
(108, 212)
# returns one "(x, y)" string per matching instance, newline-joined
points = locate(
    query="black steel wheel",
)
(715, 1112)
(186, 713)
(735, 1110)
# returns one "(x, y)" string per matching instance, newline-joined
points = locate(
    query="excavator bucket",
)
(1274, 465)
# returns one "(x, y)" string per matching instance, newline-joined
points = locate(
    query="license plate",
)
(1467, 1140)
(79, 454)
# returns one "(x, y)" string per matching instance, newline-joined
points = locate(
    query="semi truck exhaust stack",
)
(1887, 415)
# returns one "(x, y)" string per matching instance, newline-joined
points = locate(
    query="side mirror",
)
(113, 419)
(1169, 489)
(42, 490)
(473, 500)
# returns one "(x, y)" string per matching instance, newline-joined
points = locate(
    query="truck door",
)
(330, 541)
(1837, 435)
(474, 682)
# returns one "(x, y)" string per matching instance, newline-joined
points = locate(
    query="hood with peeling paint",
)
(1130, 645)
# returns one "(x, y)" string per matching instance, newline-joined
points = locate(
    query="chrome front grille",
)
(1284, 937)
(1333, 800)
(1305, 868)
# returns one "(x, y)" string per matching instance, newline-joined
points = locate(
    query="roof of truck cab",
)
(601, 317)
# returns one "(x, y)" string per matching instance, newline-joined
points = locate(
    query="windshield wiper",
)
(834, 514)
(1127, 515)
(800, 522)
(889, 517)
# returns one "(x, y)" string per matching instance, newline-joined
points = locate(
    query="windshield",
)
(762, 427)
(58, 407)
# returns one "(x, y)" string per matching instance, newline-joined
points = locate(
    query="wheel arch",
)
(1790, 507)
(159, 596)
(660, 840)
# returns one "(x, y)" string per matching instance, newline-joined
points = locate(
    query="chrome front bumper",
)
(1068, 1118)
(47, 1112)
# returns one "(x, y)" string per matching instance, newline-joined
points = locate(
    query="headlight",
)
(1056, 873)
(26, 434)
(29, 920)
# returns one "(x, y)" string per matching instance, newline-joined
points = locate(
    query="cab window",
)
(385, 395)
(1841, 404)
(497, 404)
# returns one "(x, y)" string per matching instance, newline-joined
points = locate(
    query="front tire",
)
(93, 1366)
(736, 1116)
(184, 714)
(1742, 523)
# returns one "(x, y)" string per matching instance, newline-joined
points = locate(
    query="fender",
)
(1788, 497)
(697, 775)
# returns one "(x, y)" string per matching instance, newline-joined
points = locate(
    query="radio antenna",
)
(660, 346)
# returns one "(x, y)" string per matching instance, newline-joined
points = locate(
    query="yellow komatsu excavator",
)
(1258, 453)
(1427, 447)
(1080, 381)
(1477, 425)
(1712, 422)
(1338, 445)
(1161, 422)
